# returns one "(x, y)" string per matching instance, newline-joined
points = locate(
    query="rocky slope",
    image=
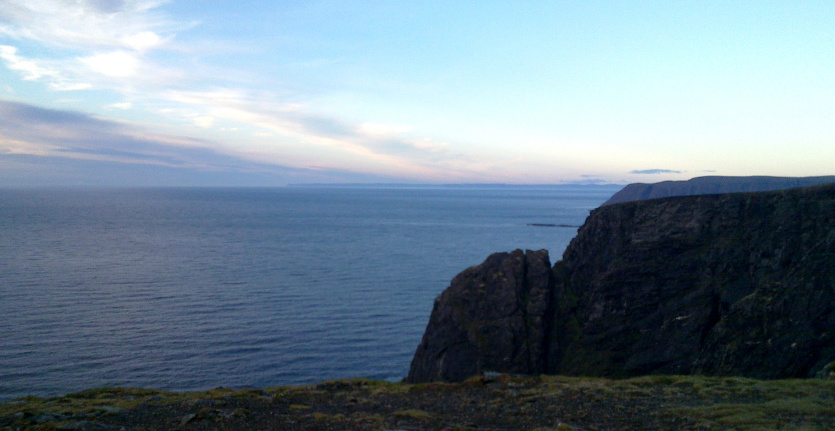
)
(712, 185)
(735, 284)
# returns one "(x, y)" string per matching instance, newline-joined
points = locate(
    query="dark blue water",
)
(188, 289)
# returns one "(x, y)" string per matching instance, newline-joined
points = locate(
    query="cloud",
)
(25, 171)
(54, 147)
(31, 130)
(112, 45)
(374, 129)
(203, 121)
(121, 105)
(70, 86)
(89, 24)
(142, 41)
(118, 64)
(655, 171)
(50, 146)
(387, 148)
(30, 70)
(104, 42)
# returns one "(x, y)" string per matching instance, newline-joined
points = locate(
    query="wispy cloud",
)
(654, 171)
(114, 45)
(115, 64)
(103, 42)
(87, 24)
(29, 70)
(388, 146)
(120, 105)
(30, 130)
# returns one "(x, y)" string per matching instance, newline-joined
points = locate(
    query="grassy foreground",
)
(493, 403)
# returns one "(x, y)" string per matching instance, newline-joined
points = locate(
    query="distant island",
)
(712, 185)
(553, 225)
(446, 186)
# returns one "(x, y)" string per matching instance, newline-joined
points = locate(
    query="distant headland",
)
(713, 185)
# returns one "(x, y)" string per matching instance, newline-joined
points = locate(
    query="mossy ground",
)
(500, 402)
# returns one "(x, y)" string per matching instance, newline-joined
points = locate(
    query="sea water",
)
(193, 288)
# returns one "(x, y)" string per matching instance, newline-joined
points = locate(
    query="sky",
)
(264, 93)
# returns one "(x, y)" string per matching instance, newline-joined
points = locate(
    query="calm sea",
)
(188, 289)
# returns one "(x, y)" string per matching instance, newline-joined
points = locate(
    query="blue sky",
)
(143, 92)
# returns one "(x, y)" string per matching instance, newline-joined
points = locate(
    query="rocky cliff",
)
(734, 284)
(712, 185)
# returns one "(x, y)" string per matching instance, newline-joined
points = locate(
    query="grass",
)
(511, 402)
(113, 400)
(412, 414)
(87, 401)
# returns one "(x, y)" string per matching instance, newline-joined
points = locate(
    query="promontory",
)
(736, 284)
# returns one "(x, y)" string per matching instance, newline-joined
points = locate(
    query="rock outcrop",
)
(494, 316)
(735, 284)
(712, 185)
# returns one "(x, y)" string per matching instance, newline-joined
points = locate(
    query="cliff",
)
(494, 316)
(734, 284)
(712, 185)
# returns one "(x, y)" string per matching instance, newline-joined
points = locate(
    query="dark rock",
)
(87, 426)
(112, 410)
(552, 225)
(721, 284)
(339, 386)
(734, 284)
(492, 317)
(188, 418)
(712, 185)
(827, 372)
(47, 417)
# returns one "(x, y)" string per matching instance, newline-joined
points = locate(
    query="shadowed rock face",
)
(494, 316)
(740, 284)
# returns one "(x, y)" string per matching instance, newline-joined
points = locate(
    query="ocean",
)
(195, 288)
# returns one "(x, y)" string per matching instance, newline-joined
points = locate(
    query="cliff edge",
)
(734, 284)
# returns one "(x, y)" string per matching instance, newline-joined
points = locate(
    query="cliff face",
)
(712, 185)
(740, 284)
(494, 316)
